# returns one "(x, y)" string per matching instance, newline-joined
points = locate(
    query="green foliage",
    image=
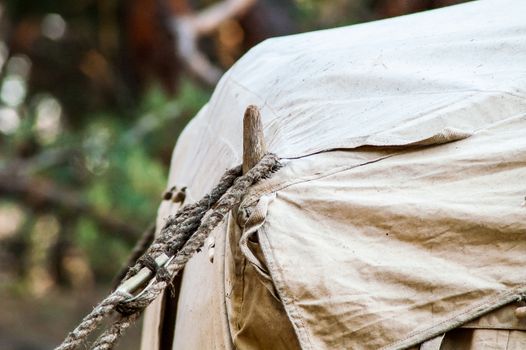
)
(116, 165)
(127, 174)
(105, 254)
(320, 14)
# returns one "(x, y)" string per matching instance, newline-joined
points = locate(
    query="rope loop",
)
(149, 262)
(182, 236)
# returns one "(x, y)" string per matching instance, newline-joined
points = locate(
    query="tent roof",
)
(457, 73)
(389, 82)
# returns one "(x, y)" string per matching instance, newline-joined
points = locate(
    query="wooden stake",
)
(254, 147)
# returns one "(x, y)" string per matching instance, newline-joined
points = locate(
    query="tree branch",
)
(209, 19)
(41, 193)
(187, 30)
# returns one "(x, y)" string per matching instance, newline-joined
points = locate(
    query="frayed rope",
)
(181, 237)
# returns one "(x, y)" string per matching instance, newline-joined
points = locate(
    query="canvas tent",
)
(399, 214)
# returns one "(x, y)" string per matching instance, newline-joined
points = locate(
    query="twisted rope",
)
(77, 336)
(138, 250)
(179, 227)
(181, 237)
(109, 338)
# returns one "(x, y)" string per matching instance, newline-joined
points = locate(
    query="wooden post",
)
(254, 147)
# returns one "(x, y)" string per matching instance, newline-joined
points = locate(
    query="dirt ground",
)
(29, 323)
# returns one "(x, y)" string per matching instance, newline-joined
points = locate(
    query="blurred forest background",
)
(93, 95)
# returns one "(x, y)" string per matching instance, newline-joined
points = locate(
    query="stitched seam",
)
(292, 310)
(254, 197)
(491, 303)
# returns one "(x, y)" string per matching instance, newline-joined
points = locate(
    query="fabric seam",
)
(479, 309)
(294, 315)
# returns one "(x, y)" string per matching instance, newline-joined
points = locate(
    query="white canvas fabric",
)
(399, 213)
(389, 252)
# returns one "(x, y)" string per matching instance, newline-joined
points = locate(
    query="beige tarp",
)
(399, 213)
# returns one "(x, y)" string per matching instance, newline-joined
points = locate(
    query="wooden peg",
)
(520, 312)
(254, 147)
